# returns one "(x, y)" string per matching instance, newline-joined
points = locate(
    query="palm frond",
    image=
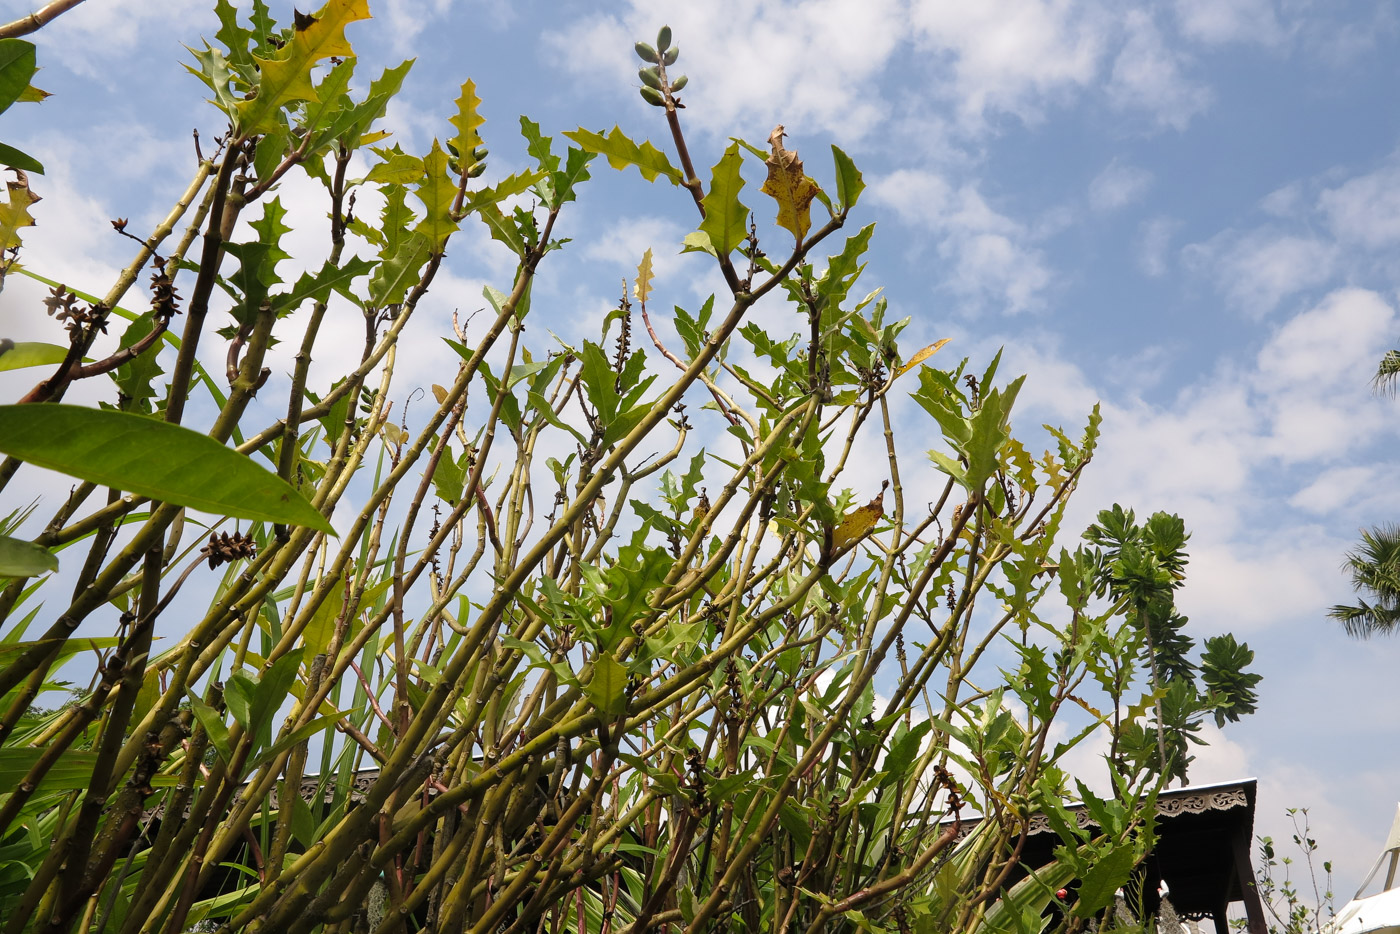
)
(1387, 373)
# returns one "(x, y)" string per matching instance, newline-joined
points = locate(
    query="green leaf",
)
(354, 123)
(607, 689)
(724, 215)
(214, 726)
(30, 353)
(12, 157)
(299, 735)
(398, 168)
(398, 270)
(71, 770)
(622, 152)
(321, 626)
(17, 66)
(133, 378)
(1105, 876)
(319, 286)
(849, 183)
(436, 191)
(12, 650)
(152, 458)
(24, 559)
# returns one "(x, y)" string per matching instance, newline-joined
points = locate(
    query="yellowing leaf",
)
(14, 214)
(439, 393)
(622, 152)
(857, 523)
(642, 288)
(286, 77)
(921, 356)
(790, 187)
(466, 120)
(436, 191)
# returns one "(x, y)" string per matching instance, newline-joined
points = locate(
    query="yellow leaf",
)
(857, 523)
(921, 356)
(642, 287)
(14, 213)
(286, 77)
(790, 187)
(439, 394)
(466, 120)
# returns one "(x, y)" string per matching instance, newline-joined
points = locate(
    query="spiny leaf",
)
(286, 76)
(24, 559)
(607, 689)
(466, 120)
(29, 353)
(14, 214)
(398, 168)
(319, 286)
(151, 458)
(642, 287)
(790, 187)
(398, 270)
(724, 214)
(857, 523)
(436, 191)
(514, 185)
(622, 152)
(921, 356)
(134, 378)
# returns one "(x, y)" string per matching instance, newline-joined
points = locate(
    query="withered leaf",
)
(789, 185)
(642, 287)
(857, 523)
(922, 355)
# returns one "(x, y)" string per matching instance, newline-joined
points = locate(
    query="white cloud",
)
(622, 244)
(1365, 210)
(992, 259)
(1147, 75)
(1154, 244)
(1333, 489)
(1011, 55)
(1329, 347)
(89, 38)
(1117, 186)
(1283, 202)
(1262, 267)
(1221, 21)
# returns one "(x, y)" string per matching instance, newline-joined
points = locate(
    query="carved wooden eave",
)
(1204, 838)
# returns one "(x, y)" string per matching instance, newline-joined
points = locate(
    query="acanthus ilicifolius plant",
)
(628, 688)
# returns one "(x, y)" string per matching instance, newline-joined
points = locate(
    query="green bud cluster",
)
(654, 84)
(475, 167)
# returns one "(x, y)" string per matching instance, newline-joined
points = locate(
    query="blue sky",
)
(1188, 210)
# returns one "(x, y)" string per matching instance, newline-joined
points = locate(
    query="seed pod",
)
(679, 83)
(663, 39)
(647, 54)
(673, 53)
(476, 170)
(651, 77)
(480, 152)
(653, 96)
